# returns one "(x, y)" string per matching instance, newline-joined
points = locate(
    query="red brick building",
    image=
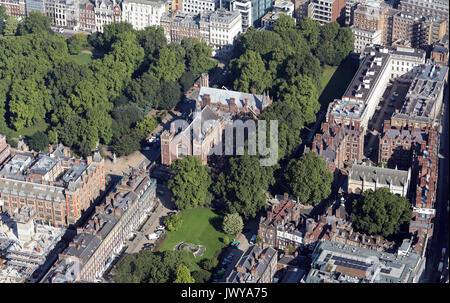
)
(280, 227)
(202, 134)
(87, 17)
(59, 187)
(339, 144)
(397, 143)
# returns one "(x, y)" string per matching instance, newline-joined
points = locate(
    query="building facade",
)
(143, 13)
(199, 6)
(327, 11)
(178, 25)
(340, 145)
(59, 187)
(281, 226)
(101, 240)
(362, 178)
(198, 139)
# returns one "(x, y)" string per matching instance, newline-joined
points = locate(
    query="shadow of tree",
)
(216, 222)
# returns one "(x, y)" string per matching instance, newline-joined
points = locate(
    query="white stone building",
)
(199, 6)
(220, 28)
(143, 13)
(364, 37)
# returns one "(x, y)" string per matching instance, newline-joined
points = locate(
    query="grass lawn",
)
(29, 131)
(200, 226)
(82, 58)
(335, 80)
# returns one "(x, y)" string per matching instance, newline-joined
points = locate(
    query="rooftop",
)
(338, 263)
(380, 175)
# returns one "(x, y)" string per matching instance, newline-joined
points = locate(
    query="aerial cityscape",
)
(224, 142)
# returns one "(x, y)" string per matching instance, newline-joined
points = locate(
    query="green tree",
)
(201, 276)
(184, 275)
(11, 25)
(209, 264)
(226, 240)
(198, 56)
(38, 141)
(145, 91)
(251, 72)
(380, 212)
(170, 95)
(308, 178)
(262, 42)
(128, 143)
(147, 125)
(168, 66)
(302, 93)
(111, 33)
(187, 80)
(289, 125)
(232, 224)
(311, 31)
(242, 185)
(190, 185)
(173, 222)
(283, 23)
(77, 43)
(35, 23)
(152, 39)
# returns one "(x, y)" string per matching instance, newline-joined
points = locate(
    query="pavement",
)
(441, 222)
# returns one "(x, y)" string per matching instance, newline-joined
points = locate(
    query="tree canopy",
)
(184, 275)
(380, 212)
(308, 178)
(242, 185)
(190, 185)
(232, 224)
(152, 267)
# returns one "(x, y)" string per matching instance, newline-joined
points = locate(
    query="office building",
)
(342, 263)
(327, 11)
(101, 240)
(143, 13)
(59, 187)
(200, 6)
(178, 25)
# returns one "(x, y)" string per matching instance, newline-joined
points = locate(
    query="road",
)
(441, 222)
(154, 220)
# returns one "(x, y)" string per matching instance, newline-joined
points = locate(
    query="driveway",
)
(156, 218)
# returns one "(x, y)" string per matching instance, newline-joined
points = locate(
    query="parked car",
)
(160, 228)
(152, 236)
(252, 240)
(171, 213)
(160, 192)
